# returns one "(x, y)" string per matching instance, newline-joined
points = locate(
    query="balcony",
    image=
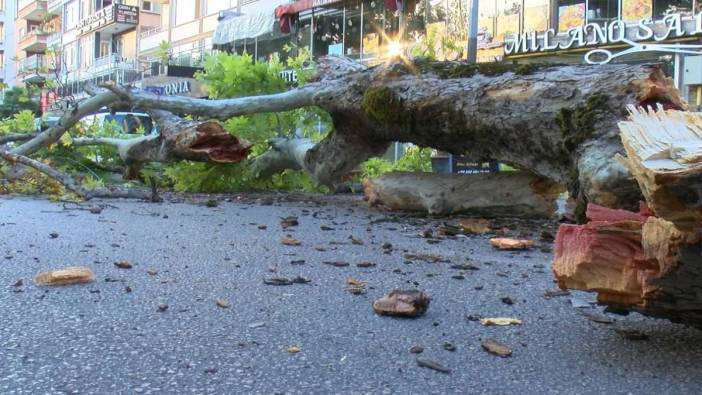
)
(54, 6)
(35, 64)
(34, 41)
(34, 11)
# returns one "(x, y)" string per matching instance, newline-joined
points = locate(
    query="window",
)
(601, 11)
(2, 32)
(186, 11)
(328, 31)
(373, 27)
(664, 7)
(352, 30)
(571, 13)
(215, 6)
(536, 15)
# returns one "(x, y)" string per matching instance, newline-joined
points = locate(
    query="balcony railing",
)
(39, 64)
(34, 41)
(154, 30)
(34, 11)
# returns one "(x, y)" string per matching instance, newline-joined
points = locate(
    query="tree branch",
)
(13, 137)
(72, 185)
(69, 118)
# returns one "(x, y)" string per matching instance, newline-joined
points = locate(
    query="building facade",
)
(7, 43)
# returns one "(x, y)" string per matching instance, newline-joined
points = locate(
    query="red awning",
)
(301, 5)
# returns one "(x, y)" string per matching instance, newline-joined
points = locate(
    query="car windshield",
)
(131, 123)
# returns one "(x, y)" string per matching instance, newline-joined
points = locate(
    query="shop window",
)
(373, 27)
(536, 15)
(601, 11)
(272, 45)
(328, 28)
(571, 13)
(352, 30)
(303, 35)
(664, 7)
(508, 17)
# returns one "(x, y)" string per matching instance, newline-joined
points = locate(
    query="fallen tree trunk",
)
(504, 194)
(16, 137)
(559, 122)
(639, 262)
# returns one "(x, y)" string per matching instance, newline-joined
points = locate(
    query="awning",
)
(238, 27)
(287, 14)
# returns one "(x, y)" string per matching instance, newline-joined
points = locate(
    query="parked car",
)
(126, 122)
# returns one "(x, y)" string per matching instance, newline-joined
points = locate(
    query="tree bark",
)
(505, 194)
(16, 137)
(559, 122)
(640, 262)
(178, 139)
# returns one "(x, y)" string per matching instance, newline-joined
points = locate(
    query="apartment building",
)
(7, 43)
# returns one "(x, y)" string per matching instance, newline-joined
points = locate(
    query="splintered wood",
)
(651, 261)
(66, 276)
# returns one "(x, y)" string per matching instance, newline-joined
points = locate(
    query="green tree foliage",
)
(230, 76)
(414, 159)
(16, 100)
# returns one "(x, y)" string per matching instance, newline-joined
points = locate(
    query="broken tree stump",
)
(503, 194)
(640, 262)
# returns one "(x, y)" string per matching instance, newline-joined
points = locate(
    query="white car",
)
(127, 122)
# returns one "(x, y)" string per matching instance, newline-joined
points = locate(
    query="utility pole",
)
(472, 46)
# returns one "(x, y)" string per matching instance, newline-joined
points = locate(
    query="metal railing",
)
(152, 31)
(35, 63)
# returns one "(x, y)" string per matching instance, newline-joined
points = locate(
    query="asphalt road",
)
(99, 339)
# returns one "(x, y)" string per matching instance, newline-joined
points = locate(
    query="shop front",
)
(597, 32)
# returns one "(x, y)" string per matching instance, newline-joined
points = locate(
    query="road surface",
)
(100, 339)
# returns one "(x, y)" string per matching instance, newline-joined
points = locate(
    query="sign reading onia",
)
(671, 27)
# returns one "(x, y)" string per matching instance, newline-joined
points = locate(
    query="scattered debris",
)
(326, 228)
(123, 265)
(259, 324)
(556, 293)
(223, 303)
(262, 227)
(504, 243)
(494, 347)
(212, 203)
(18, 283)
(294, 349)
(356, 241)
(286, 281)
(431, 364)
(162, 307)
(464, 266)
(288, 240)
(632, 334)
(336, 263)
(402, 303)
(287, 222)
(458, 277)
(151, 272)
(297, 262)
(366, 264)
(416, 349)
(128, 289)
(53, 235)
(476, 226)
(66, 276)
(429, 258)
(597, 317)
(211, 370)
(355, 286)
(500, 321)
(448, 346)
(507, 300)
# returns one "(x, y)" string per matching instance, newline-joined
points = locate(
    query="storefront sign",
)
(117, 13)
(290, 76)
(671, 27)
(173, 86)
